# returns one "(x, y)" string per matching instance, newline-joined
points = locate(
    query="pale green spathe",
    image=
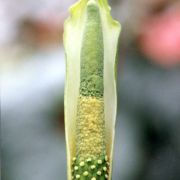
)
(73, 38)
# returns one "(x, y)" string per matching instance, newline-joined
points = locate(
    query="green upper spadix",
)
(92, 53)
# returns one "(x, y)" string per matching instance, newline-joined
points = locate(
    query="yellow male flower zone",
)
(90, 40)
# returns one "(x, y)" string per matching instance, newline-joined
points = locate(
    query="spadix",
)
(90, 40)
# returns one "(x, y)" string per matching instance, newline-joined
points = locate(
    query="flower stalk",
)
(90, 40)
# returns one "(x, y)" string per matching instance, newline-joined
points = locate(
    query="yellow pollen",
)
(90, 127)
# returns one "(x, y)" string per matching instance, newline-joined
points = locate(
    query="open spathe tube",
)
(91, 42)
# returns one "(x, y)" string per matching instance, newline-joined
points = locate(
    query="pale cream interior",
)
(111, 32)
(72, 42)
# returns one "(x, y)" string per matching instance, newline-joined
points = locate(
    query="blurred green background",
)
(147, 143)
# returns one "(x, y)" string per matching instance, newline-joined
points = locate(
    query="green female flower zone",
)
(90, 40)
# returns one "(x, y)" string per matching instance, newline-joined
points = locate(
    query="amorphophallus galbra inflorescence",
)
(91, 41)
